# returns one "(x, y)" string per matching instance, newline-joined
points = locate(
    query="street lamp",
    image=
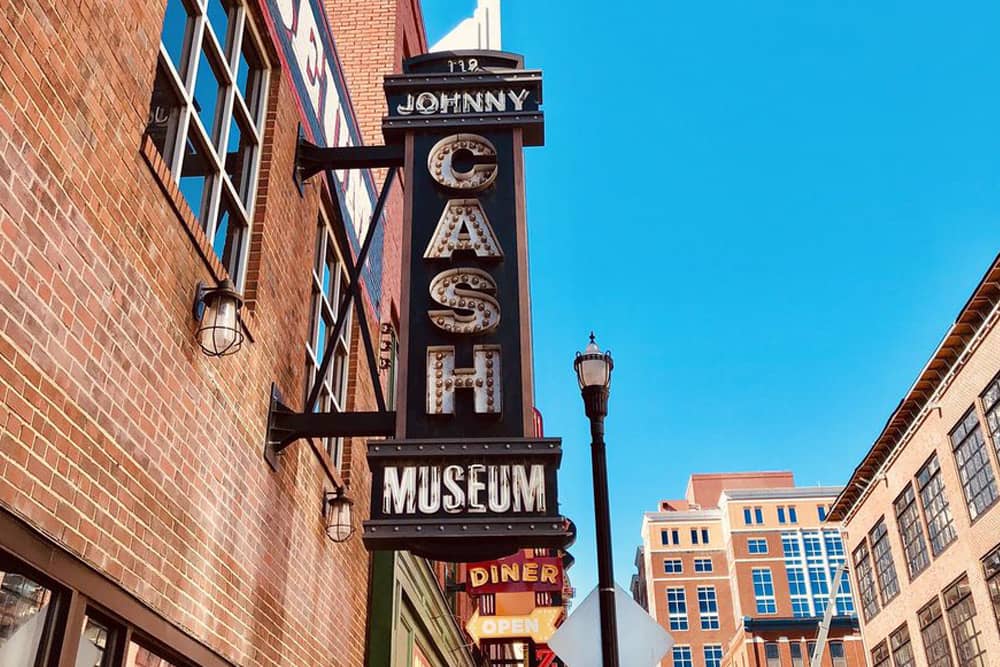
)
(593, 370)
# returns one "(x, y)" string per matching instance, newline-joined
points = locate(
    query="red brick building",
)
(739, 572)
(146, 147)
(921, 508)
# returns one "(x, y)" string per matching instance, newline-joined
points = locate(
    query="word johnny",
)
(491, 101)
(457, 489)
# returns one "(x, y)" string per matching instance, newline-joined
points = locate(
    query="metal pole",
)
(602, 514)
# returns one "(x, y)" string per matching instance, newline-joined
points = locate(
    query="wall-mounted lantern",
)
(338, 515)
(218, 310)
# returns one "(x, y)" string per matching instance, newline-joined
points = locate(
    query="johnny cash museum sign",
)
(466, 478)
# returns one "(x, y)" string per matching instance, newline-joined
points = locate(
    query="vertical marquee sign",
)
(463, 480)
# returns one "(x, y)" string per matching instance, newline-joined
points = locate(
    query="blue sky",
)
(770, 212)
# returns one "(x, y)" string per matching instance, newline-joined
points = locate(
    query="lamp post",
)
(593, 370)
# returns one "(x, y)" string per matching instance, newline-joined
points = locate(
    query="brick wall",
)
(975, 538)
(120, 440)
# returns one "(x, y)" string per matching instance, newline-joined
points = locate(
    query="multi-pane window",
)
(795, 648)
(866, 581)
(790, 544)
(677, 609)
(991, 569)
(799, 591)
(902, 650)
(812, 544)
(911, 533)
(937, 512)
(702, 564)
(991, 410)
(673, 566)
(205, 118)
(934, 635)
(961, 611)
(329, 288)
(713, 655)
(812, 560)
(885, 568)
(757, 546)
(682, 656)
(974, 467)
(771, 655)
(880, 655)
(708, 608)
(763, 591)
(834, 545)
(820, 588)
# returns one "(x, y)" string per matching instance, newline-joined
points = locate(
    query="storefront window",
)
(24, 612)
(140, 656)
(93, 648)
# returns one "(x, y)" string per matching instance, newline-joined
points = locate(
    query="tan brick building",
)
(921, 509)
(146, 147)
(739, 572)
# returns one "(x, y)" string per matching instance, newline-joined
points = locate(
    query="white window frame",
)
(767, 600)
(201, 32)
(709, 596)
(677, 620)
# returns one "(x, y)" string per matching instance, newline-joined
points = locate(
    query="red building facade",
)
(144, 148)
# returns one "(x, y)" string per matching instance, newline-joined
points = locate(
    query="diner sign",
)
(516, 574)
(464, 480)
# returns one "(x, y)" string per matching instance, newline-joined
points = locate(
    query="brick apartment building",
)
(739, 572)
(921, 508)
(146, 147)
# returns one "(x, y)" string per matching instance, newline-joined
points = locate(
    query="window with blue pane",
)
(758, 514)
(793, 516)
(702, 564)
(834, 545)
(677, 609)
(747, 517)
(713, 655)
(708, 608)
(821, 512)
(811, 544)
(763, 591)
(757, 546)
(682, 656)
(329, 280)
(205, 120)
(812, 558)
(781, 515)
(790, 545)
(672, 566)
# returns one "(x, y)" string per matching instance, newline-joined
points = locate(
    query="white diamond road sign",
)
(642, 642)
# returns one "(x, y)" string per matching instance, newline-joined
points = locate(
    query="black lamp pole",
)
(593, 370)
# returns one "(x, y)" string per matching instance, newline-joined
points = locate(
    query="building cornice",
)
(791, 493)
(974, 321)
